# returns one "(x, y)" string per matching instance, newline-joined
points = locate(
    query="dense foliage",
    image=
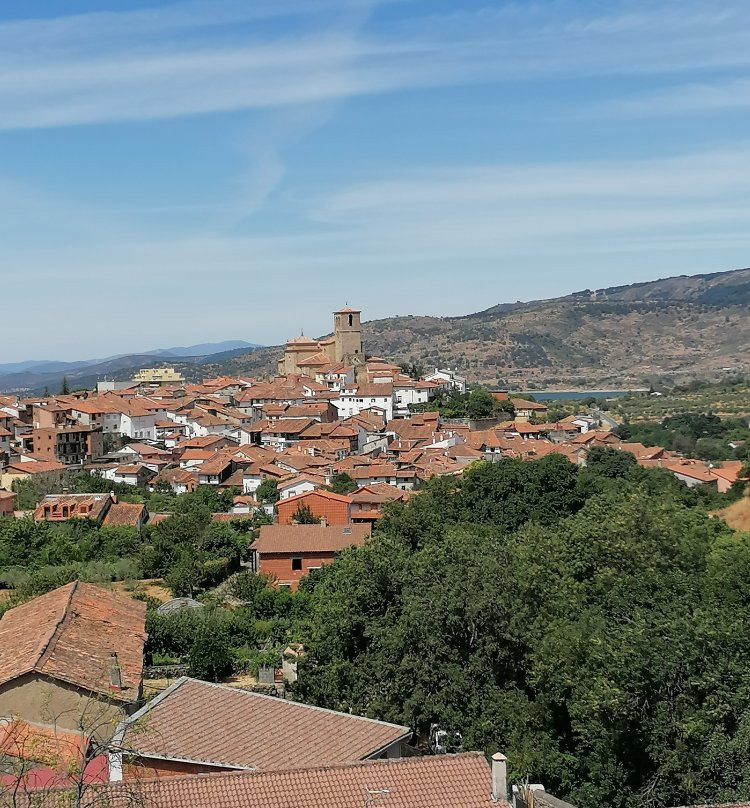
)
(479, 403)
(190, 550)
(342, 483)
(707, 437)
(590, 623)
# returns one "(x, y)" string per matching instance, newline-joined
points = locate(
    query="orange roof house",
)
(7, 498)
(63, 649)
(126, 514)
(258, 733)
(289, 552)
(334, 508)
(368, 502)
(61, 507)
(435, 781)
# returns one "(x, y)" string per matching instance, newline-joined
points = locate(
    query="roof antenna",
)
(373, 796)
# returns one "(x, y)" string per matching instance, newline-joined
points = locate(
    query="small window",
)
(347, 531)
(297, 564)
(351, 320)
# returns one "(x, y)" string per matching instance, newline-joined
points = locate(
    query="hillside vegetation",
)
(669, 330)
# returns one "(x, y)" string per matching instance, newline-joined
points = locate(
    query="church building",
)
(305, 356)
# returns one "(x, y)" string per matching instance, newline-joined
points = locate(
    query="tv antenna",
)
(374, 796)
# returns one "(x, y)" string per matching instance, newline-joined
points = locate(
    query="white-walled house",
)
(138, 425)
(448, 379)
(298, 485)
(409, 392)
(356, 398)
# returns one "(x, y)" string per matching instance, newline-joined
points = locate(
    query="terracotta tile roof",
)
(306, 477)
(694, 469)
(729, 471)
(69, 634)
(317, 493)
(529, 429)
(288, 426)
(34, 467)
(444, 781)
(373, 390)
(78, 506)
(131, 468)
(378, 493)
(42, 743)
(124, 514)
(265, 733)
(146, 449)
(203, 442)
(214, 466)
(373, 470)
(309, 538)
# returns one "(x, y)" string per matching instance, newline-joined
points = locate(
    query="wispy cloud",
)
(726, 93)
(453, 216)
(132, 66)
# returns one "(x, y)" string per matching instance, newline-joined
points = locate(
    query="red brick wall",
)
(45, 443)
(335, 512)
(280, 565)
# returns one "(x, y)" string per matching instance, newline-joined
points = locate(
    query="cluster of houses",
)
(72, 708)
(73, 718)
(332, 412)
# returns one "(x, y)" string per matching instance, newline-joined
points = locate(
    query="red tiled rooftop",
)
(309, 538)
(124, 514)
(442, 781)
(69, 634)
(265, 733)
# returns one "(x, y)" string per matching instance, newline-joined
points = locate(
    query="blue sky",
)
(185, 172)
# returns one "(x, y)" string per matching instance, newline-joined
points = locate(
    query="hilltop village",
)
(331, 410)
(301, 467)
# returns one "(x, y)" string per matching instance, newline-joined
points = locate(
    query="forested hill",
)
(677, 328)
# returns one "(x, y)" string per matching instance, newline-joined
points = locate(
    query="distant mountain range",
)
(669, 330)
(675, 329)
(35, 375)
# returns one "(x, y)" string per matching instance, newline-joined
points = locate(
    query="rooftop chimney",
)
(323, 521)
(499, 777)
(115, 676)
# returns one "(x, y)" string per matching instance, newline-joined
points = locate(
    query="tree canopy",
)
(589, 623)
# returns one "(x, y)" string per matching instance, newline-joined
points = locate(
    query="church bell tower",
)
(347, 330)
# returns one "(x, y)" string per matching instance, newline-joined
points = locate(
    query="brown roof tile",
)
(309, 538)
(69, 634)
(125, 514)
(444, 781)
(260, 732)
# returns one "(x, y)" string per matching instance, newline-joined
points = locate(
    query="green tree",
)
(480, 404)
(185, 575)
(609, 462)
(593, 632)
(342, 483)
(64, 388)
(267, 492)
(304, 516)
(210, 657)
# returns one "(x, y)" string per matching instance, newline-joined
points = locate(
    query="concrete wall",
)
(46, 701)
